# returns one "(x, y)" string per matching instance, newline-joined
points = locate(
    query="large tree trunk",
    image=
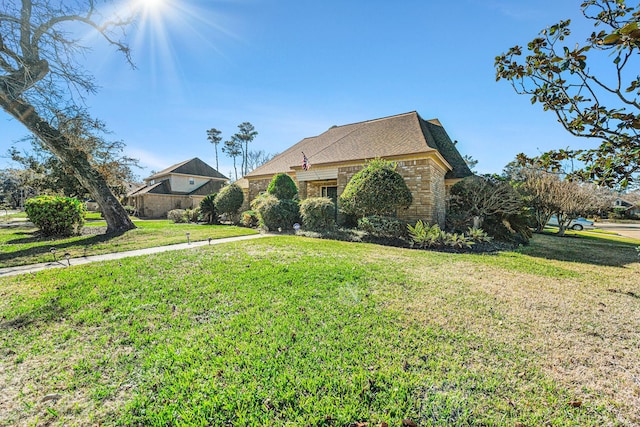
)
(113, 212)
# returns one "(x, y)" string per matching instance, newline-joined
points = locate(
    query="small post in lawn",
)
(53, 252)
(188, 238)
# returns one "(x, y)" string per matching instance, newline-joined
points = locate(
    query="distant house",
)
(181, 186)
(630, 209)
(323, 165)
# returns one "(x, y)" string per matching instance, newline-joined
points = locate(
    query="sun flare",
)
(152, 4)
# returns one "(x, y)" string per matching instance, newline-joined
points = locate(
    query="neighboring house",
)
(630, 209)
(426, 158)
(181, 186)
(93, 206)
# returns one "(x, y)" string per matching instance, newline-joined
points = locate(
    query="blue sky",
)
(294, 68)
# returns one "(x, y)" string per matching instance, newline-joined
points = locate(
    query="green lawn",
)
(20, 246)
(303, 332)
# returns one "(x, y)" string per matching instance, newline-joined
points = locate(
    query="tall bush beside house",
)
(282, 187)
(278, 208)
(318, 214)
(378, 189)
(229, 201)
(276, 214)
(56, 216)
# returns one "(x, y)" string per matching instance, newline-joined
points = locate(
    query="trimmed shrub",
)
(282, 187)
(229, 201)
(376, 190)
(318, 214)
(249, 219)
(276, 214)
(178, 216)
(383, 226)
(192, 214)
(208, 209)
(56, 216)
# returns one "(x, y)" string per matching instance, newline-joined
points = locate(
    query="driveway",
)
(624, 229)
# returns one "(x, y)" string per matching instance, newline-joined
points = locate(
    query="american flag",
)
(305, 162)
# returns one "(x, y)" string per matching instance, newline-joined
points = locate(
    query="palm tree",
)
(208, 208)
(213, 135)
(233, 148)
(246, 134)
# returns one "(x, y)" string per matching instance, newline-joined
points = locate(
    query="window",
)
(332, 193)
(192, 181)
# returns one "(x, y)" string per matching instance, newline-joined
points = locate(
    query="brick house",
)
(425, 156)
(181, 186)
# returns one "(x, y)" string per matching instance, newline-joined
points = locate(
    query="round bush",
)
(178, 216)
(318, 214)
(375, 190)
(282, 187)
(229, 200)
(276, 214)
(56, 216)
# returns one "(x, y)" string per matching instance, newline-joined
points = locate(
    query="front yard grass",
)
(295, 331)
(21, 246)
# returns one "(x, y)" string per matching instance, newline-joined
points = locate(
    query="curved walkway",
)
(32, 268)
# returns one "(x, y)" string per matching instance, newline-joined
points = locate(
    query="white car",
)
(577, 224)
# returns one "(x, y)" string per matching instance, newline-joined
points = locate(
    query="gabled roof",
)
(161, 187)
(404, 134)
(208, 188)
(194, 167)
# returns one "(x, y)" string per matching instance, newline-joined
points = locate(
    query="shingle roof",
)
(161, 187)
(195, 167)
(399, 135)
(208, 188)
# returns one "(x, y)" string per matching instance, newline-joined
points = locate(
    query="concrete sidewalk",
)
(32, 268)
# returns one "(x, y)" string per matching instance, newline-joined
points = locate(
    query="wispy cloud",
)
(148, 160)
(516, 10)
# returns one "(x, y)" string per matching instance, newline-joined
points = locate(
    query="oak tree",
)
(41, 80)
